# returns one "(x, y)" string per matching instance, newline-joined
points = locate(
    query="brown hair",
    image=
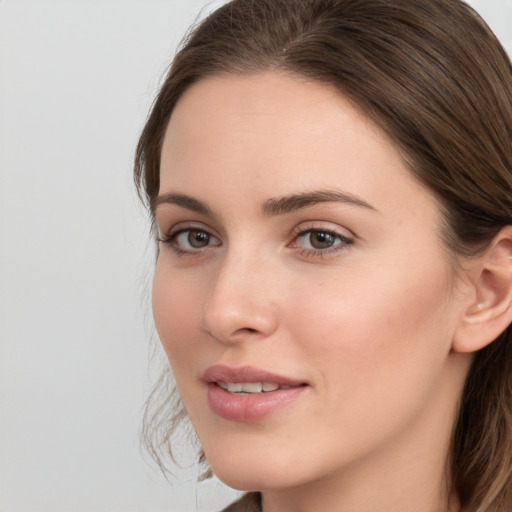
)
(435, 78)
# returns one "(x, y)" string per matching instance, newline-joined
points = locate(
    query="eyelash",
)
(170, 240)
(343, 243)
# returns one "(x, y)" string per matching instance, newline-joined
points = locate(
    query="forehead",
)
(263, 135)
(257, 102)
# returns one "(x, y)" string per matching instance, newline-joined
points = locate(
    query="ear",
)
(490, 310)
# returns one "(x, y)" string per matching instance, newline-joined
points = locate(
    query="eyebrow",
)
(182, 200)
(273, 206)
(287, 204)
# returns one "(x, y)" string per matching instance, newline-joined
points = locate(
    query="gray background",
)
(76, 81)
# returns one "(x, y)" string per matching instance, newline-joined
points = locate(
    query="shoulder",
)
(250, 502)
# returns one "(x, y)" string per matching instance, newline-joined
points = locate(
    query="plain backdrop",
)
(76, 81)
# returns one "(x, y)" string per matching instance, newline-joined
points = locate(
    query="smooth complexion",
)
(296, 242)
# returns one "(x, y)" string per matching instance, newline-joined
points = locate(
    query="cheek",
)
(377, 350)
(176, 310)
(177, 305)
(372, 330)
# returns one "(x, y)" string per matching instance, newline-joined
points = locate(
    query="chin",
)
(261, 471)
(240, 471)
(254, 479)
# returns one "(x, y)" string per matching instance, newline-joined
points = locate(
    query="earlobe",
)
(490, 310)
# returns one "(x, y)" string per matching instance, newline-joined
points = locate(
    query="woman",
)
(331, 186)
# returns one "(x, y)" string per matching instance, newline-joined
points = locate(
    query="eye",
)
(319, 241)
(193, 239)
(189, 240)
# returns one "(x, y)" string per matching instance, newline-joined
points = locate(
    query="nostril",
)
(248, 330)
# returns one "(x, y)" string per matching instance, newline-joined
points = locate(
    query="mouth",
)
(249, 388)
(248, 394)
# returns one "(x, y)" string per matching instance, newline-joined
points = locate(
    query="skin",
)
(368, 324)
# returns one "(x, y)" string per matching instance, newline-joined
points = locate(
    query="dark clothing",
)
(250, 502)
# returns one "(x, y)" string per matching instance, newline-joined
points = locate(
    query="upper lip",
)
(221, 373)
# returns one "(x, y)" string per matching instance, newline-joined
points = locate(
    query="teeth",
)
(235, 387)
(250, 387)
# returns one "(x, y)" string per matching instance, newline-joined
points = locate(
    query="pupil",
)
(321, 240)
(198, 239)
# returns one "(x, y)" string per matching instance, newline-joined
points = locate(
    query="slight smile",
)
(248, 394)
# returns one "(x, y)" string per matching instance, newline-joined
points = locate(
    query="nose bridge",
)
(241, 302)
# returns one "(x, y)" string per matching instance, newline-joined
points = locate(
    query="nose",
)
(241, 304)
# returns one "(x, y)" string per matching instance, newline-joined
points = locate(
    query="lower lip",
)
(251, 407)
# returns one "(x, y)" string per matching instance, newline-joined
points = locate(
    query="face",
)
(302, 292)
